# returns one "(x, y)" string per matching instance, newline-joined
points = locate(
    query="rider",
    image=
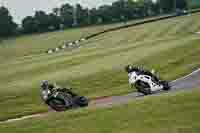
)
(133, 72)
(54, 88)
(45, 85)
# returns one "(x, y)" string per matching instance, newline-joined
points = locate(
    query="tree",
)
(66, 13)
(181, 4)
(82, 15)
(121, 10)
(29, 24)
(118, 10)
(42, 20)
(56, 11)
(7, 26)
(167, 5)
(54, 21)
(130, 9)
(193, 3)
(156, 7)
(94, 16)
(104, 12)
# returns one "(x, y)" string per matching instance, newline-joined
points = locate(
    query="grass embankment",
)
(36, 44)
(96, 69)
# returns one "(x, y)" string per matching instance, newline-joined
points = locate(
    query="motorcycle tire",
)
(60, 103)
(166, 85)
(81, 101)
(143, 87)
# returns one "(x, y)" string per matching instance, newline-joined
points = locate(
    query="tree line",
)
(67, 16)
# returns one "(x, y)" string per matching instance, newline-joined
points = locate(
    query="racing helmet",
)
(51, 86)
(44, 84)
(128, 68)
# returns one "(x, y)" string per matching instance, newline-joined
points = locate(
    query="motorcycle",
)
(62, 99)
(147, 86)
(145, 81)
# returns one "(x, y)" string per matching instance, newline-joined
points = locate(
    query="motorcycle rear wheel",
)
(81, 101)
(166, 85)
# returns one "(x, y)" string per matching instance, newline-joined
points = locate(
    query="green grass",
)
(174, 113)
(96, 69)
(34, 45)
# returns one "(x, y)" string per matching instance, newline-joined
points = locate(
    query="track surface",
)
(185, 83)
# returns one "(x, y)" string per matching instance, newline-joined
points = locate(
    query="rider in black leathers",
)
(53, 88)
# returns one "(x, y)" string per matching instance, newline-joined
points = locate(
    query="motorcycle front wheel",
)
(60, 103)
(143, 87)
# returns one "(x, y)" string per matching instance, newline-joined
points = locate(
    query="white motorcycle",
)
(145, 81)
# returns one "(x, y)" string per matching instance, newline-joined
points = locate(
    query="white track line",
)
(186, 76)
(23, 118)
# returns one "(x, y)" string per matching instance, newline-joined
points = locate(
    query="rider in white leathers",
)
(136, 74)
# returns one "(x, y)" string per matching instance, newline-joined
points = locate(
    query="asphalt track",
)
(185, 83)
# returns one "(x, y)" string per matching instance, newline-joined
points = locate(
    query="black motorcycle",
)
(62, 99)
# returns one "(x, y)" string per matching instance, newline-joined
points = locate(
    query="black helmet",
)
(128, 68)
(51, 86)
